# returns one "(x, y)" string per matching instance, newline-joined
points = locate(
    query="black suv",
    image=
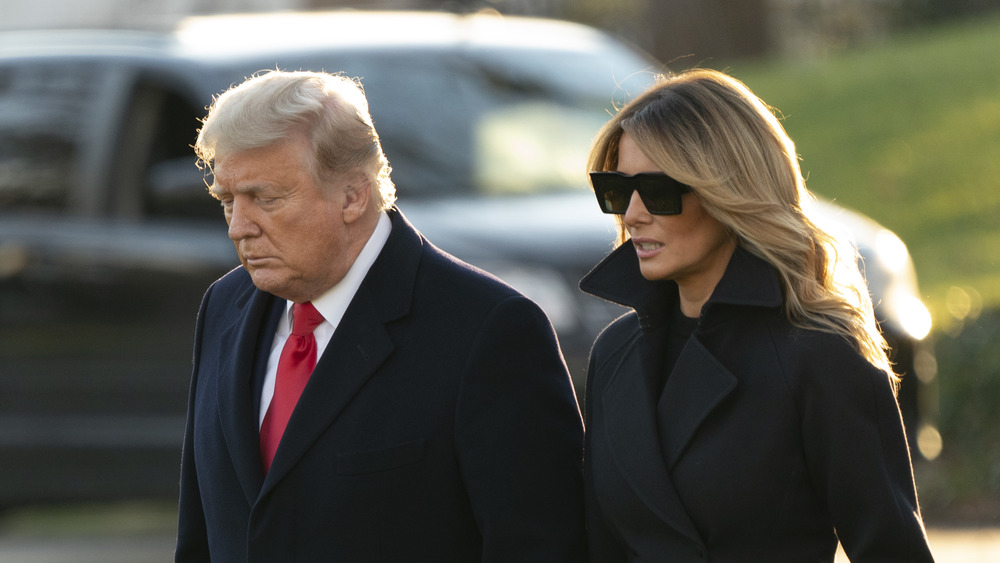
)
(108, 237)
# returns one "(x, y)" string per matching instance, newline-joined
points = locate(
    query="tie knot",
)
(305, 318)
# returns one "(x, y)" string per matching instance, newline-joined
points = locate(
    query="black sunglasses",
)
(660, 193)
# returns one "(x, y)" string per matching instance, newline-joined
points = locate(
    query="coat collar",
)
(748, 280)
(358, 347)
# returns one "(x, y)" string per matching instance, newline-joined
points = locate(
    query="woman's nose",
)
(636, 209)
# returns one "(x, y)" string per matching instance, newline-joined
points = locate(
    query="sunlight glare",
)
(914, 317)
(891, 251)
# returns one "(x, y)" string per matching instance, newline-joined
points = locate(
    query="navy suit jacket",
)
(439, 425)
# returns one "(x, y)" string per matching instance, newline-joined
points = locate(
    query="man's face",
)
(289, 231)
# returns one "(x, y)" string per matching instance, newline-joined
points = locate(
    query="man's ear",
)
(357, 198)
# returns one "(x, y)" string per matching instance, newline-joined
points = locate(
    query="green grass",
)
(907, 132)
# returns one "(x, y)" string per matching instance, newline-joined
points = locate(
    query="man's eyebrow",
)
(215, 191)
(218, 191)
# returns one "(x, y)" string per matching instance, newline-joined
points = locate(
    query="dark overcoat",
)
(767, 443)
(439, 425)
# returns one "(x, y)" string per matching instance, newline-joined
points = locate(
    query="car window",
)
(157, 175)
(540, 110)
(491, 123)
(42, 116)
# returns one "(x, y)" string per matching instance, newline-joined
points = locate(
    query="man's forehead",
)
(259, 160)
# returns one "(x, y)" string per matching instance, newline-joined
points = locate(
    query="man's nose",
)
(241, 221)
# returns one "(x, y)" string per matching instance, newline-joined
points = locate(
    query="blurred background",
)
(894, 106)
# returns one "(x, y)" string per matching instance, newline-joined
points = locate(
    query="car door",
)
(102, 265)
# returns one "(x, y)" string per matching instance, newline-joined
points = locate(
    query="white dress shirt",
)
(331, 305)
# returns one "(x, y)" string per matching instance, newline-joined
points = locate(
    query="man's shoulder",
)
(230, 289)
(446, 272)
(235, 281)
(408, 252)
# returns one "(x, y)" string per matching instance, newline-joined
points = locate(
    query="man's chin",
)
(266, 280)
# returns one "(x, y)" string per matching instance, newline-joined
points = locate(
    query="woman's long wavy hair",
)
(708, 130)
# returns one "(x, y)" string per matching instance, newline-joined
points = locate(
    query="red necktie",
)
(295, 365)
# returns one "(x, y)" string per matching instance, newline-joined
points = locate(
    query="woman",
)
(745, 411)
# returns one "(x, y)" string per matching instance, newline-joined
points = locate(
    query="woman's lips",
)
(646, 248)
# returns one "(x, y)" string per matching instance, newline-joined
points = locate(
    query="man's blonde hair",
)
(331, 110)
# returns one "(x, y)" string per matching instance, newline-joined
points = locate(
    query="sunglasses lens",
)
(616, 200)
(660, 193)
(612, 190)
(661, 200)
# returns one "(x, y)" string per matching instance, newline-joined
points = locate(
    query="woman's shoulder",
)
(820, 360)
(811, 344)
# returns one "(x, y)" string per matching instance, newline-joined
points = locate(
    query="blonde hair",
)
(708, 130)
(331, 110)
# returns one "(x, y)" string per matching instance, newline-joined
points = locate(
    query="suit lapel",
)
(631, 426)
(697, 384)
(357, 349)
(236, 390)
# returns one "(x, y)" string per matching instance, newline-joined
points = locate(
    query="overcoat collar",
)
(358, 347)
(748, 280)
(698, 383)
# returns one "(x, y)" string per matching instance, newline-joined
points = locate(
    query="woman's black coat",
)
(767, 444)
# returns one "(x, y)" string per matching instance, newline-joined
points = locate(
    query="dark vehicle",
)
(108, 238)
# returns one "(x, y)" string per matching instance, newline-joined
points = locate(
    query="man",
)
(438, 422)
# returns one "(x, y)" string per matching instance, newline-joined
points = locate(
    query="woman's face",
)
(691, 248)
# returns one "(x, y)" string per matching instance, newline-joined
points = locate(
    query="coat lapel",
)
(236, 390)
(631, 426)
(697, 384)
